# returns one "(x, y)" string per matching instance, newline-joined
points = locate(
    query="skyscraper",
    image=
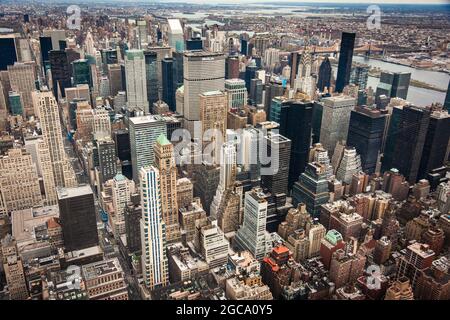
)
(312, 188)
(324, 80)
(136, 81)
(251, 235)
(279, 152)
(143, 134)
(236, 92)
(165, 163)
(394, 84)
(151, 75)
(81, 71)
(447, 99)
(107, 159)
(77, 213)
(60, 69)
(335, 120)
(168, 92)
(153, 230)
(203, 71)
(22, 77)
(47, 110)
(8, 54)
(406, 138)
(175, 35)
(345, 60)
(359, 76)
(294, 117)
(213, 117)
(365, 133)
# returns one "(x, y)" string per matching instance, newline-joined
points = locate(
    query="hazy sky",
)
(318, 1)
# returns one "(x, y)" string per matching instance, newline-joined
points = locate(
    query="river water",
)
(417, 96)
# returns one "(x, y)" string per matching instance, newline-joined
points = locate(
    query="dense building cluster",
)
(148, 158)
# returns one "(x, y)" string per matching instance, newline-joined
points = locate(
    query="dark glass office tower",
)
(436, 143)
(151, 74)
(345, 60)
(294, 61)
(81, 72)
(60, 70)
(256, 90)
(244, 47)
(122, 139)
(272, 89)
(107, 159)
(295, 119)
(78, 217)
(177, 69)
(46, 46)
(394, 84)
(365, 133)
(279, 150)
(109, 56)
(194, 44)
(409, 128)
(316, 121)
(168, 94)
(8, 53)
(250, 73)
(324, 80)
(447, 99)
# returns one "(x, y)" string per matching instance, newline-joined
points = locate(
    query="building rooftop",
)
(65, 193)
(101, 268)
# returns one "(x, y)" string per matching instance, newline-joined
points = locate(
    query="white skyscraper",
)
(46, 108)
(153, 231)
(136, 81)
(252, 235)
(227, 175)
(176, 35)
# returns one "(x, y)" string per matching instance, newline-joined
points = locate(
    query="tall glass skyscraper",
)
(345, 60)
(151, 74)
(168, 95)
(394, 84)
(8, 53)
(324, 80)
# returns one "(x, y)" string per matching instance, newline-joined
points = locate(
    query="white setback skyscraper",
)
(135, 80)
(153, 231)
(176, 35)
(252, 235)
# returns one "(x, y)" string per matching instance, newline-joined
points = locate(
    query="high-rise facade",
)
(151, 75)
(406, 138)
(143, 134)
(78, 217)
(22, 78)
(394, 84)
(153, 230)
(365, 133)
(345, 60)
(47, 110)
(8, 53)
(203, 72)
(294, 117)
(335, 120)
(279, 153)
(135, 81)
(359, 75)
(349, 165)
(165, 162)
(19, 181)
(251, 235)
(213, 117)
(175, 35)
(324, 80)
(312, 188)
(236, 92)
(168, 89)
